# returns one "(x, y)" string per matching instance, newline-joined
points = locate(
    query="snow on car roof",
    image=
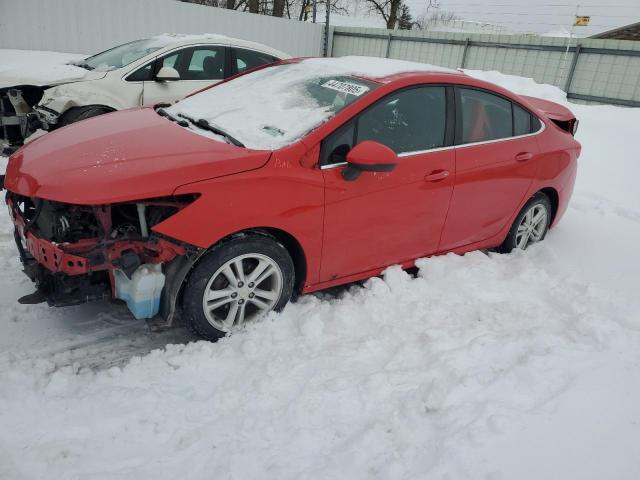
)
(276, 106)
(373, 67)
(167, 39)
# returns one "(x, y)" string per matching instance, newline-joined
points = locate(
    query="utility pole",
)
(326, 29)
(566, 52)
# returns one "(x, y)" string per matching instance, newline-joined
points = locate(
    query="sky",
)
(542, 16)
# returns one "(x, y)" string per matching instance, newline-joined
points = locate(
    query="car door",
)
(495, 164)
(385, 218)
(198, 67)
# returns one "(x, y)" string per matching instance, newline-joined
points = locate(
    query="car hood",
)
(122, 156)
(49, 75)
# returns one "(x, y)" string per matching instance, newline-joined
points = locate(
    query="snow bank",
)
(520, 366)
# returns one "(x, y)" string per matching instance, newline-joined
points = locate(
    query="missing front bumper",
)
(18, 120)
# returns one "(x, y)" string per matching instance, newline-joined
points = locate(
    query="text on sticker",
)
(346, 87)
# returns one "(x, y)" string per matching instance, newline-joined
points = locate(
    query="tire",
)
(524, 231)
(228, 304)
(81, 113)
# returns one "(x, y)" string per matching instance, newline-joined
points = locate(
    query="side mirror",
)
(369, 156)
(167, 74)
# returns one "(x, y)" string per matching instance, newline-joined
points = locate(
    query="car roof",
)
(375, 69)
(172, 40)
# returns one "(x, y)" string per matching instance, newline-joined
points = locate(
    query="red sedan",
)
(290, 178)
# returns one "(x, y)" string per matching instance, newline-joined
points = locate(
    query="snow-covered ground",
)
(523, 366)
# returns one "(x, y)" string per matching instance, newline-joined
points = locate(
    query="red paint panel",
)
(490, 186)
(122, 156)
(283, 196)
(385, 218)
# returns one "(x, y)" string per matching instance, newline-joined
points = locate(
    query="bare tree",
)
(208, 3)
(388, 9)
(424, 21)
(278, 8)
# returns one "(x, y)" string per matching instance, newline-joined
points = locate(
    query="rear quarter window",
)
(521, 121)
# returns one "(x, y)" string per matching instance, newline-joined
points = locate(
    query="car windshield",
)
(275, 106)
(122, 55)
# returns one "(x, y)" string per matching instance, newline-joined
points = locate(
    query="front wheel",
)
(76, 114)
(531, 224)
(238, 281)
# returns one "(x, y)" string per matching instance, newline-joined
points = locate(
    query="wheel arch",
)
(183, 269)
(290, 243)
(554, 198)
(294, 248)
(74, 108)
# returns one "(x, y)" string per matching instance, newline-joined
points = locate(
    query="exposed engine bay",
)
(17, 118)
(75, 254)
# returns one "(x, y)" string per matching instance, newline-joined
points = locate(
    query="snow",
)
(10, 59)
(242, 109)
(521, 366)
(42, 69)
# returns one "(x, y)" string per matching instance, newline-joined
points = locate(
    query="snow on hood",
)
(42, 68)
(270, 108)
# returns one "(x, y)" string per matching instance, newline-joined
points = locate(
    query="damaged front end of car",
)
(18, 119)
(76, 254)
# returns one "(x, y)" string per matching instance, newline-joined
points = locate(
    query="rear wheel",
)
(81, 113)
(237, 282)
(531, 224)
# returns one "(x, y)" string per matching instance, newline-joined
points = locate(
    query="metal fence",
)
(602, 71)
(90, 26)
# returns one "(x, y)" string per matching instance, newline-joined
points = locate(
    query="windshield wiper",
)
(163, 113)
(84, 65)
(205, 125)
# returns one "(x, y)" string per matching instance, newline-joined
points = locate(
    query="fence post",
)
(572, 69)
(325, 47)
(464, 52)
(386, 55)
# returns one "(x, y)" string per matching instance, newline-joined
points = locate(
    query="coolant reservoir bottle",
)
(142, 292)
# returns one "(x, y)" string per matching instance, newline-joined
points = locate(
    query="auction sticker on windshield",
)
(346, 87)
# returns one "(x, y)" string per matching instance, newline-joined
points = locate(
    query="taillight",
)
(569, 126)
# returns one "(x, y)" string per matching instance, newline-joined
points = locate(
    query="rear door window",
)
(485, 116)
(247, 59)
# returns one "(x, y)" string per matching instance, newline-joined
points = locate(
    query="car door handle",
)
(524, 156)
(437, 175)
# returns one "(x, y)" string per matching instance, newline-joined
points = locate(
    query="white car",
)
(161, 69)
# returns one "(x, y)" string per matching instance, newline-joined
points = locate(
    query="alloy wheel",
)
(532, 226)
(242, 289)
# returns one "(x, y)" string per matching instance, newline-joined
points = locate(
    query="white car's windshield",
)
(276, 106)
(122, 55)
